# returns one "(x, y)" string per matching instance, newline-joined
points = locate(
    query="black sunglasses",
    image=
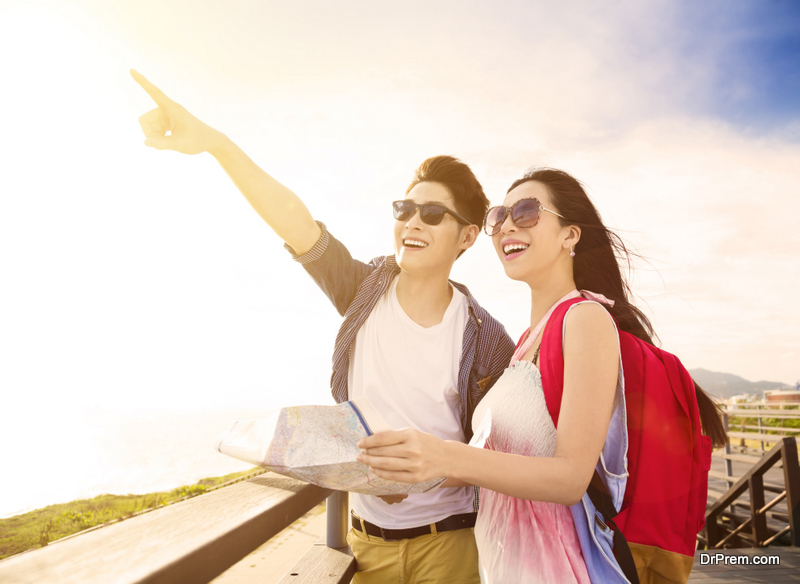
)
(524, 213)
(430, 213)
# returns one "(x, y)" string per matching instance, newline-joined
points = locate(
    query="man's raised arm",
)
(278, 206)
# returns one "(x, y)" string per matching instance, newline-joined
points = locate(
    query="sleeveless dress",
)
(521, 541)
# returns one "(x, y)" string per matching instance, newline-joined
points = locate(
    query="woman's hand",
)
(187, 134)
(406, 456)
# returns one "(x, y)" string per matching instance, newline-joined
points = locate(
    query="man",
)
(418, 345)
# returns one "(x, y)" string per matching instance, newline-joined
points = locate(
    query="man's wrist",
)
(219, 145)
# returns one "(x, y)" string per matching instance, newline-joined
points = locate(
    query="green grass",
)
(770, 425)
(40, 527)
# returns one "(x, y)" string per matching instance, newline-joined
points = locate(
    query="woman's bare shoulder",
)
(590, 320)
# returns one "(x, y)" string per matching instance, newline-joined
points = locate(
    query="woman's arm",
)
(454, 483)
(591, 358)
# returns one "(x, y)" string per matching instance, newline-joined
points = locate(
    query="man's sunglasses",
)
(430, 213)
(524, 213)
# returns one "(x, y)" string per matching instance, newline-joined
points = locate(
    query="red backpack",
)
(668, 456)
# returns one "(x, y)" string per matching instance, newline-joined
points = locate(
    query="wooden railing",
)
(734, 418)
(194, 541)
(733, 522)
(737, 414)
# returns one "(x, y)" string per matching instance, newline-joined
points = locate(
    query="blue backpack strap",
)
(551, 366)
(601, 499)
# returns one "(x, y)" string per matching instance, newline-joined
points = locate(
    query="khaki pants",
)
(449, 557)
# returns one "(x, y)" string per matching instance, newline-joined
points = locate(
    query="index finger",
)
(382, 439)
(158, 96)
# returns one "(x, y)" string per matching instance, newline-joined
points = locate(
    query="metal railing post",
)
(728, 461)
(337, 511)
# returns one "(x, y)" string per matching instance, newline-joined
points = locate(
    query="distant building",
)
(738, 399)
(775, 396)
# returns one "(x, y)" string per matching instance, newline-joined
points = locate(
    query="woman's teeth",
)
(514, 247)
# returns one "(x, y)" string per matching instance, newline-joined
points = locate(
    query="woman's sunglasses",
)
(430, 213)
(524, 213)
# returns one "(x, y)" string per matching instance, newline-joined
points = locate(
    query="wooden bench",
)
(755, 436)
(745, 458)
(779, 429)
(772, 487)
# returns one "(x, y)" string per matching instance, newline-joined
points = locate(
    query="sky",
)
(133, 278)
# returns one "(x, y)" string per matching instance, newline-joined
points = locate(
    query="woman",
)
(549, 235)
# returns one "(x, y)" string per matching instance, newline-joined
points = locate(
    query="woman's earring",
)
(571, 252)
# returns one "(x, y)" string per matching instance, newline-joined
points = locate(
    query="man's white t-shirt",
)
(410, 374)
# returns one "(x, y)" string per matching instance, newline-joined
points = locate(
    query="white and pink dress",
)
(520, 540)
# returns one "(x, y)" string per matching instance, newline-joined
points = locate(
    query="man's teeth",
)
(514, 247)
(414, 243)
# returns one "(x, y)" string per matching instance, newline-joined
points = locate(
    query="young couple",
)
(426, 354)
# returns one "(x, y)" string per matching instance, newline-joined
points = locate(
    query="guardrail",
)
(194, 541)
(727, 528)
(735, 418)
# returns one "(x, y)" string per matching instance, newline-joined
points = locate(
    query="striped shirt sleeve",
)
(315, 252)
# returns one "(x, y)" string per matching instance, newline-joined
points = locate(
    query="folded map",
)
(317, 444)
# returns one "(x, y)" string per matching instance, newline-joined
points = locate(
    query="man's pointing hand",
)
(187, 134)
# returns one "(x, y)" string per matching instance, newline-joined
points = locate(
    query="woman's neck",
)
(543, 297)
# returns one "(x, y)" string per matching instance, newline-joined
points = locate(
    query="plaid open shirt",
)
(355, 287)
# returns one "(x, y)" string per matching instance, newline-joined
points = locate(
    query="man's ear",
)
(468, 237)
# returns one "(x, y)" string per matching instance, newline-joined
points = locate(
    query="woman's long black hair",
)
(596, 267)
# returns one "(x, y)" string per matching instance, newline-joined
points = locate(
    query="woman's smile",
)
(513, 248)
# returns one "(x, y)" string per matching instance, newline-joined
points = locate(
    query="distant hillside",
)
(726, 385)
